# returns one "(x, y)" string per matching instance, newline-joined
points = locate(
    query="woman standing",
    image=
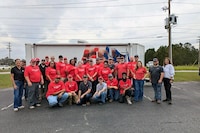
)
(50, 72)
(168, 78)
(17, 78)
(139, 76)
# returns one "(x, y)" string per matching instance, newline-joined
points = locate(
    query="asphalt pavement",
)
(141, 117)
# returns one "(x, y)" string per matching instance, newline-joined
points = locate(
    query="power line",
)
(75, 7)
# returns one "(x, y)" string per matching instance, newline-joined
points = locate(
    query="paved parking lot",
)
(142, 117)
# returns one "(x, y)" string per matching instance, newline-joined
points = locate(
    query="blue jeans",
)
(54, 100)
(101, 97)
(157, 90)
(114, 94)
(139, 85)
(18, 93)
(85, 99)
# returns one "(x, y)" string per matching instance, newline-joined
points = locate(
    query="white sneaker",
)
(38, 105)
(129, 100)
(21, 107)
(31, 107)
(16, 109)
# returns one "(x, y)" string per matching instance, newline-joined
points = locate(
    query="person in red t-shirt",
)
(98, 66)
(71, 88)
(47, 61)
(33, 77)
(105, 71)
(91, 72)
(79, 72)
(50, 72)
(113, 90)
(56, 92)
(70, 69)
(60, 68)
(139, 76)
(125, 89)
(121, 68)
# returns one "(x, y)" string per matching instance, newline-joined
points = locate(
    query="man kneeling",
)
(101, 91)
(56, 94)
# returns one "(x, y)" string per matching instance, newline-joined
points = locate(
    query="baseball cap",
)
(65, 58)
(136, 55)
(110, 58)
(110, 75)
(85, 76)
(37, 59)
(97, 59)
(23, 60)
(46, 56)
(155, 59)
(69, 76)
(100, 78)
(60, 56)
(124, 73)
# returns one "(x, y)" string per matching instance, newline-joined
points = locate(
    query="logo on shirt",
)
(57, 86)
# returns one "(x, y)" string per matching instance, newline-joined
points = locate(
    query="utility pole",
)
(9, 50)
(169, 31)
(199, 52)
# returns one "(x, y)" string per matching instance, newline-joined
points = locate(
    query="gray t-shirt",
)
(155, 72)
(101, 86)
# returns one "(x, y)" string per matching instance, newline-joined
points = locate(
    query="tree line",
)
(183, 54)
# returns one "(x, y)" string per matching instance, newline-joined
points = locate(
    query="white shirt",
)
(169, 71)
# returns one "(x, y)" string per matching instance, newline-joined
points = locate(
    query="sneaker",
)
(165, 100)
(170, 102)
(21, 107)
(158, 102)
(110, 100)
(83, 105)
(16, 109)
(88, 103)
(154, 100)
(60, 104)
(129, 100)
(38, 105)
(31, 107)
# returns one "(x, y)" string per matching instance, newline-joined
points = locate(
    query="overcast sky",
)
(97, 21)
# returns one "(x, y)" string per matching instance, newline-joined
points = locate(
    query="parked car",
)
(149, 64)
(5, 67)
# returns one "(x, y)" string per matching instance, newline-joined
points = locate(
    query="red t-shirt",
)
(71, 86)
(121, 67)
(98, 68)
(104, 72)
(79, 71)
(55, 87)
(140, 72)
(113, 82)
(51, 72)
(123, 85)
(60, 66)
(91, 70)
(33, 72)
(131, 66)
(71, 70)
(85, 65)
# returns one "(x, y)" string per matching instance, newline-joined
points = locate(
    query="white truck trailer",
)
(88, 50)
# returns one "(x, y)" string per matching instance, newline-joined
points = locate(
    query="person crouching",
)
(71, 88)
(125, 89)
(101, 91)
(56, 94)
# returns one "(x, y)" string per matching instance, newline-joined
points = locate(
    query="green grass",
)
(195, 67)
(186, 76)
(5, 70)
(5, 81)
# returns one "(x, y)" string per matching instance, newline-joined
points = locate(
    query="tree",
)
(149, 55)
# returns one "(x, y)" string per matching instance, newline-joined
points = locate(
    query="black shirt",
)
(84, 87)
(42, 69)
(155, 72)
(18, 73)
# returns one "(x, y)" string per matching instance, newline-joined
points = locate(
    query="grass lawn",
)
(186, 76)
(5, 81)
(195, 67)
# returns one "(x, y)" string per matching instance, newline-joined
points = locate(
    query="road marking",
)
(85, 118)
(175, 87)
(7, 107)
(147, 98)
(58, 130)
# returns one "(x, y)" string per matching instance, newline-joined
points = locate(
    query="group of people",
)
(86, 81)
